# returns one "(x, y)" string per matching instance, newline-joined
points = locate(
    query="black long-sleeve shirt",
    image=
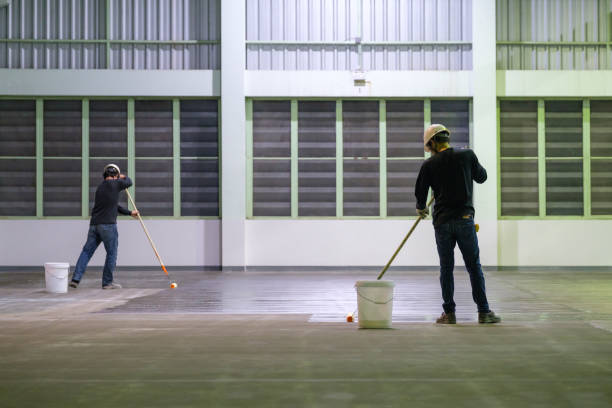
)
(449, 174)
(107, 205)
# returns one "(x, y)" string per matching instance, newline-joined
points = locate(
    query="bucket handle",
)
(55, 276)
(372, 300)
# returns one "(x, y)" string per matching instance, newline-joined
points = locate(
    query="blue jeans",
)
(106, 233)
(460, 231)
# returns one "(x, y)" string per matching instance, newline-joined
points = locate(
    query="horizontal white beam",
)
(55, 82)
(554, 83)
(342, 84)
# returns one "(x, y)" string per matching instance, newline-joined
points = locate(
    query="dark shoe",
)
(112, 285)
(74, 284)
(447, 318)
(490, 317)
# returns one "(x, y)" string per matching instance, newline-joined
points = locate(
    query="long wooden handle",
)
(403, 242)
(144, 227)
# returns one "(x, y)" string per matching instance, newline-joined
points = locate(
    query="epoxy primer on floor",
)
(280, 339)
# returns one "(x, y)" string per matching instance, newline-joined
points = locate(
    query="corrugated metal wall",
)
(144, 34)
(555, 24)
(395, 34)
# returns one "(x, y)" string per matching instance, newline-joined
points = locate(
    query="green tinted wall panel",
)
(360, 130)
(199, 128)
(519, 128)
(17, 128)
(601, 187)
(405, 128)
(601, 128)
(62, 129)
(401, 179)
(199, 187)
(563, 128)
(18, 187)
(519, 187)
(317, 129)
(361, 187)
(271, 128)
(108, 129)
(154, 187)
(272, 188)
(62, 187)
(564, 195)
(317, 187)
(153, 128)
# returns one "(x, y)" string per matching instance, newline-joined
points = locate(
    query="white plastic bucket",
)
(56, 277)
(374, 304)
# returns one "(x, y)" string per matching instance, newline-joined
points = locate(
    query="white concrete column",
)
(233, 147)
(485, 125)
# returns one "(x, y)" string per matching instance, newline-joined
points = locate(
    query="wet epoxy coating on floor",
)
(280, 339)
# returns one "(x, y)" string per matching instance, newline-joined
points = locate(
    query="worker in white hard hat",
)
(450, 174)
(103, 226)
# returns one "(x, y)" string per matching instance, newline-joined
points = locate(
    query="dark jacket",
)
(450, 174)
(107, 205)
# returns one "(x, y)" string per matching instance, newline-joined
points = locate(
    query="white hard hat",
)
(431, 131)
(112, 166)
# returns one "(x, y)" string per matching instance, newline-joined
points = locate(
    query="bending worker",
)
(103, 226)
(450, 173)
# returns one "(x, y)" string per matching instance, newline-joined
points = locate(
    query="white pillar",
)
(233, 148)
(485, 125)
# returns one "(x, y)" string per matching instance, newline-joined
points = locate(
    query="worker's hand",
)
(122, 176)
(134, 213)
(423, 213)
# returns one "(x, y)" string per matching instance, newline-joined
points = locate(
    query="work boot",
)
(74, 284)
(112, 285)
(447, 318)
(490, 317)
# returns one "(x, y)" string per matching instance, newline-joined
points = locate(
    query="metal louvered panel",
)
(272, 188)
(62, 128)
(96, 171)
(317, 129)
(455, 115)
(17, 187)
(519, 187)
(518, 132)
(405, 121)
(108, 128)
(199, 128)
(361, 187)
(154, 187)
(317, 188)
(62, 187)
(564, 129)
(200, 187)
(321, 35)
(519, 128)
(271, 128)
(601, 187)
(17, 128)
(153, 122)
(360, 122)
(561, 22)
(401, 179)
(564, 194)
(601, 128)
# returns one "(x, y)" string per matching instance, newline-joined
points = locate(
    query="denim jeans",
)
(462, 232)
(106, 233)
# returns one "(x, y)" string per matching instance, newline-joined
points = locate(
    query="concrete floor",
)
(279, 339)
